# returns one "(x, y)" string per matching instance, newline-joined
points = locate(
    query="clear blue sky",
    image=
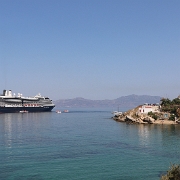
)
(95, 49)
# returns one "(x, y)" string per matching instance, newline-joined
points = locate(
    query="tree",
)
(165, 102)
(176, 101)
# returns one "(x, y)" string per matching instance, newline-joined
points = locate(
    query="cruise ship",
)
(11, 103)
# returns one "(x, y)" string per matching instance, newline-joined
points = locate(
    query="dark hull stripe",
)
(29, 109)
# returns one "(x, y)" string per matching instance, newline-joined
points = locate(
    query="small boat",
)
(58, 111)
(116, 113)
(66, 111)
(24, 111)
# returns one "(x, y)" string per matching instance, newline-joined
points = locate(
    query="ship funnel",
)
(4, 92)
(7, 93)
(10, 93)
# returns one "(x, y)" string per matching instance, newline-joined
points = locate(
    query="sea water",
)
(84, 144)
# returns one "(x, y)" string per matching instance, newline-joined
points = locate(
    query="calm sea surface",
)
(86, 145)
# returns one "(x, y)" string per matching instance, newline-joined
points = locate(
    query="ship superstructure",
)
(10, 103)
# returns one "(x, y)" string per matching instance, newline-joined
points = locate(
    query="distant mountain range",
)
(130, 101)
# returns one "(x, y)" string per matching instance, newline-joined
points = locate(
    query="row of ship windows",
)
(20, 104)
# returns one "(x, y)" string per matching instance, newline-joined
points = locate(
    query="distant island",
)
(127, 102)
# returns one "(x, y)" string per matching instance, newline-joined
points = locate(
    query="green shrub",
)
(153, 115)
(172, 174)
(150, 113)
(172, 117)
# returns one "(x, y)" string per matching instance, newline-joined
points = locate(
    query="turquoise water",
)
(84, 145)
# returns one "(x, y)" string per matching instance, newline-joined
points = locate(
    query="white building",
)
(144, 109)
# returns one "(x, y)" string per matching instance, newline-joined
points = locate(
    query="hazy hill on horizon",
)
(129, 101)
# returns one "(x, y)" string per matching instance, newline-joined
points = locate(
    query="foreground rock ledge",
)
(131, 117)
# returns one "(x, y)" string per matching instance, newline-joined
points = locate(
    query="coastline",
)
(165, 122)
(132, 120)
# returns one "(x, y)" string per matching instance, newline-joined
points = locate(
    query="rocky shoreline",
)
(131, 116)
